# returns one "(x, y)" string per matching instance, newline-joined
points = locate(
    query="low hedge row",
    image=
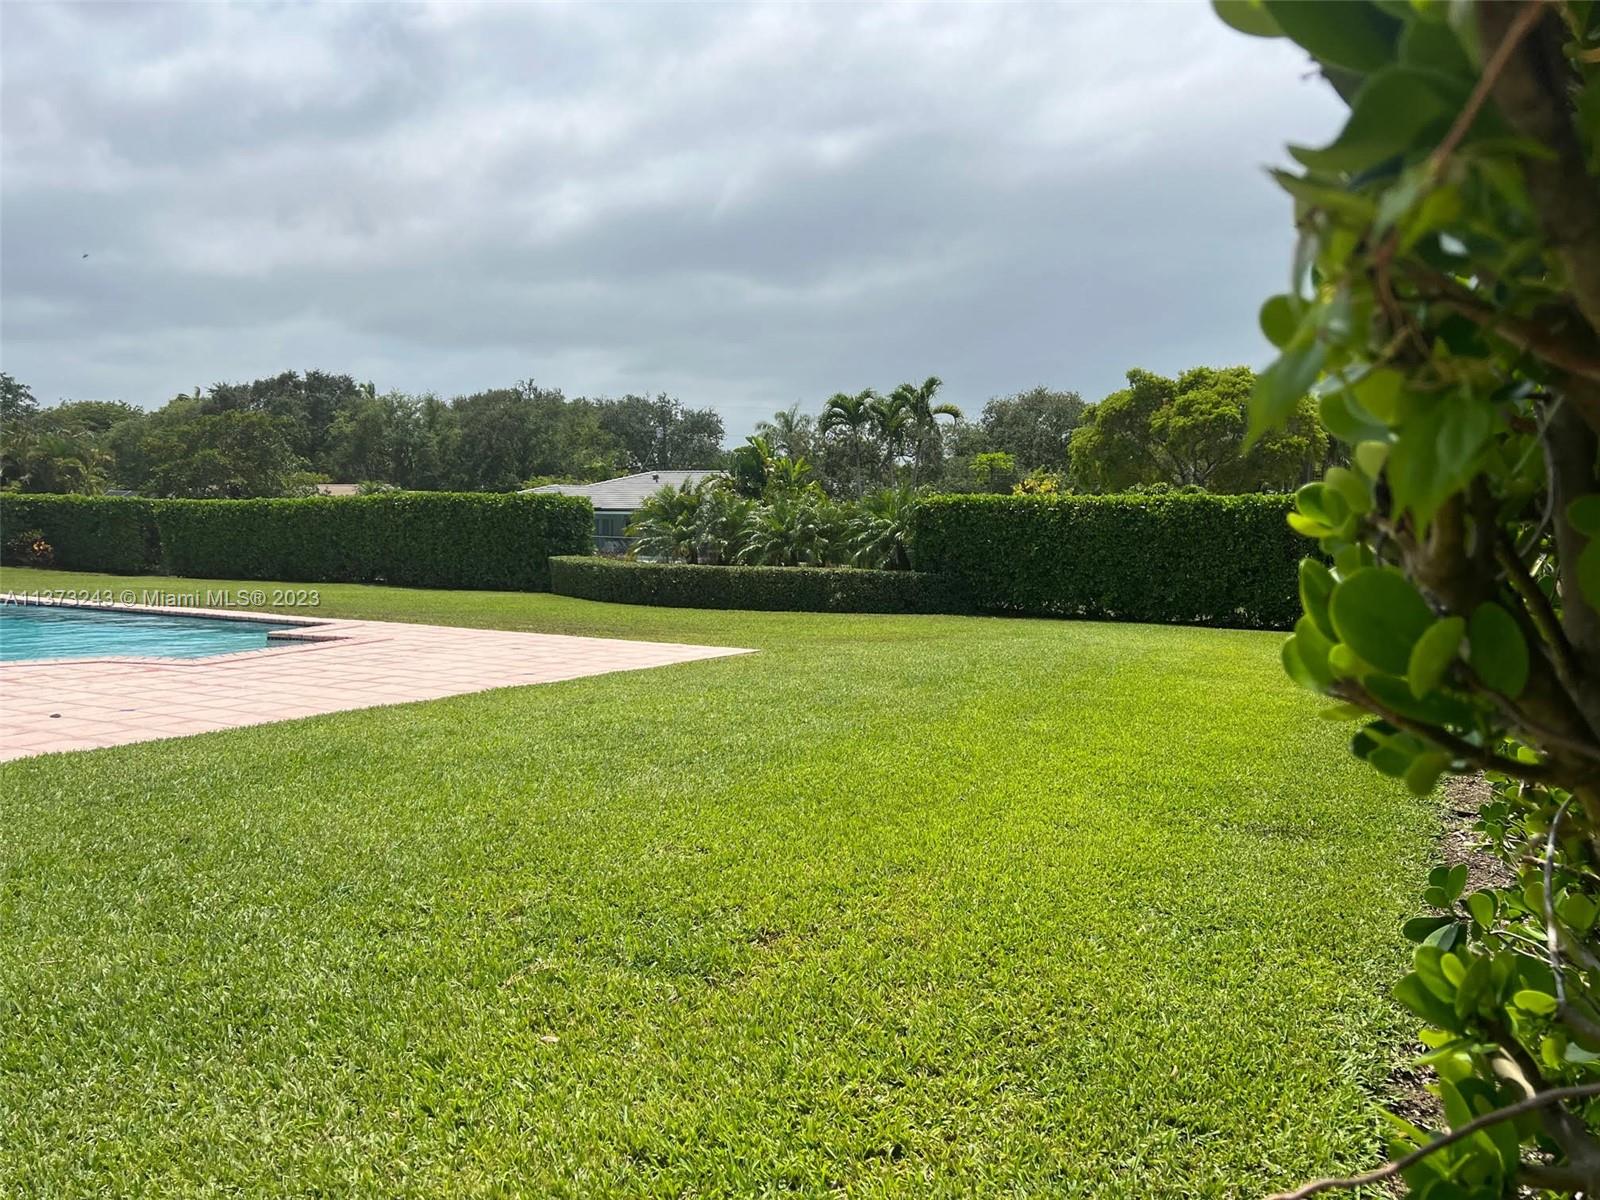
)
(1181, 559)
(789, 589)
(417, 539)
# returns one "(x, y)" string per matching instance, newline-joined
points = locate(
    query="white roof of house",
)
(627, 493)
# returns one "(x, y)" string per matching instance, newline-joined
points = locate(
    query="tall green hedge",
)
(421, 539)
(787, 589)
(87, 533)
(1193, 560)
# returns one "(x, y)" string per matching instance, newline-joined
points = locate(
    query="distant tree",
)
(661, 434)
(893, 427)
(792, 432)
(1034, 427)
(918, 400)
(994, 471)
(849, 417)
(304, 407)
(1190, 431)
(227, 455)
(39, 459)
(16, 400)
(89, 416)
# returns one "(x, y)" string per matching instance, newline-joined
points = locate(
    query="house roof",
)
(338, 489)
(627, 493)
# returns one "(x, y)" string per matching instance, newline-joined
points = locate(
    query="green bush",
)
(1182, 559)
(87, 533)
(418, 539)
(789, 589)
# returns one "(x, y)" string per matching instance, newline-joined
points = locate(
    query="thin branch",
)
(1458, 747)
(1515, 32)
(1532, 1103)
(1532, 337)
(1552, 935)
(1540, 611)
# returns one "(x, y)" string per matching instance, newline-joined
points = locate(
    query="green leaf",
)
(1436, 708)
(1347, 420)
(1282, 386)
(1370, 457)
(1353, 489)
(1435, 650)
(1442, 443)
(1541, 1003)
(1497, 650)
(1379, 391)
(1399, 109)
(1381, 616)
(1583, 514)
(1345, 663)
(1280, 319)
(1422, 776)
(1295, 668)
(1428, 960)
(1247, 16)
(1418, 929)
(1334, 198)
(1346, 33)
(1577, 912)
(1313, 649)
(1589, 572)
(1483, 906)
(1316, 585)
(1411, 992)
(1432, 45)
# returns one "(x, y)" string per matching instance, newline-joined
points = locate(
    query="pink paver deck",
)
(327, 666)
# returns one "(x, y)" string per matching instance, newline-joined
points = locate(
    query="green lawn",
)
(898, 906)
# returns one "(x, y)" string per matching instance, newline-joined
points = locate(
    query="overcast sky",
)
(743, 206)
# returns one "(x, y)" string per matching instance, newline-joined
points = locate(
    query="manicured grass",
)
(899, 906)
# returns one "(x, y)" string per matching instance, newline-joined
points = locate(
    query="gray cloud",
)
(746, 206)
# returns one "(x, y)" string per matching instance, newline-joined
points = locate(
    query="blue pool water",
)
(53, 631)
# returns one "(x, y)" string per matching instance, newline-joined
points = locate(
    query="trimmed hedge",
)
(1183, 559)
(87, 533)
(416, 539)
(785, 589)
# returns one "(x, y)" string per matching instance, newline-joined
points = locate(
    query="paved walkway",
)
(326, 666)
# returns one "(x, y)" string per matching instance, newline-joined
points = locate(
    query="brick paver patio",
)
(325, 666)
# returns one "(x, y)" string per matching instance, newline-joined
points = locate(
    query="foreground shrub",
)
(1447, 294)
(1201, 560)
(789, 589)
(84, 533)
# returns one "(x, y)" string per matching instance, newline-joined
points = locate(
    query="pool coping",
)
(328, 665)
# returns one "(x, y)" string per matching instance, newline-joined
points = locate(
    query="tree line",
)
(284, 434)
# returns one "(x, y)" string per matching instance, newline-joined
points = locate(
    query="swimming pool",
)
(32, 631)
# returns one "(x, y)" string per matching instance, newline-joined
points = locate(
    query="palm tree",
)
(917, 399)
(799, 529)
(720, 523)
(789, 430)
(853, 415)
(788, 476)
(664, 527)
(891, 421)
(880, 530)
